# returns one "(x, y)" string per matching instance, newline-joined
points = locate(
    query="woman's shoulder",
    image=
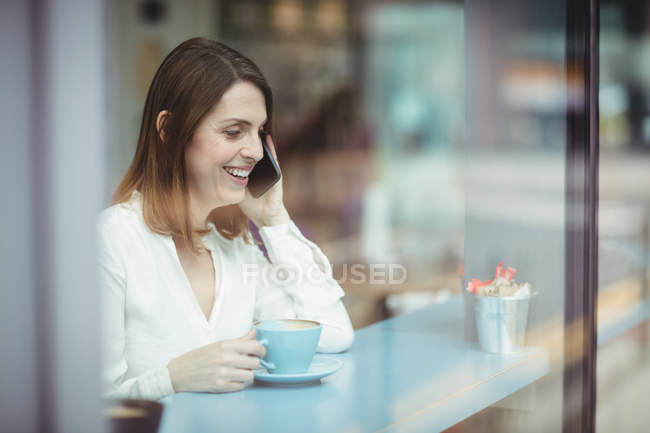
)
(120, 218)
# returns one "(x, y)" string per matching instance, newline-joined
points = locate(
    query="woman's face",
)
(224, 148)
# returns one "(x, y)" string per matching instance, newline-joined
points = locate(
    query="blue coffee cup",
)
(290, 344)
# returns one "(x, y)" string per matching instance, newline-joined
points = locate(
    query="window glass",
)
(624, 215)
(422, 144)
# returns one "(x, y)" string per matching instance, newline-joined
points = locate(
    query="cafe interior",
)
(422, 143)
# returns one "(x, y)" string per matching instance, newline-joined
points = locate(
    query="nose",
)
(252, 149)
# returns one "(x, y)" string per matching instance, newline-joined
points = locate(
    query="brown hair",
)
(188, 84)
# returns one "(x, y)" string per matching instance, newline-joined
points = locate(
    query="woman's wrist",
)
(281, 217)
(173, 369)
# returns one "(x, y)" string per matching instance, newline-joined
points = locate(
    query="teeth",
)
(237, 172)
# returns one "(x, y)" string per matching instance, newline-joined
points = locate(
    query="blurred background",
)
(370, 119)
(429, 134)
(432, 134)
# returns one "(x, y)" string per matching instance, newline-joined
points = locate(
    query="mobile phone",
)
(265, 173)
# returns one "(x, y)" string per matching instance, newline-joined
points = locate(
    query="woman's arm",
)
(308, 292)
(223, 366)
(313, 294)
(152, 384)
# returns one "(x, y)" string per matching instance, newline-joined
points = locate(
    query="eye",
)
(232, 133)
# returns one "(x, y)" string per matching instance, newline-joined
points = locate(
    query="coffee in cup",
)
(133, 416)
(290, 344)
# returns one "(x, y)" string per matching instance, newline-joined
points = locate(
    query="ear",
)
(163, 117)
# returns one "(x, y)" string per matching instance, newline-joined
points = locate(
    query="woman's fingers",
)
(241, 375)
(245, 361)
(247, 347)
(232, 387)
(223, 366)
(271, 145)
(253, 347)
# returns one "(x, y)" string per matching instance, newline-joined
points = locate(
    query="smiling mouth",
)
(237, 175)
(237, 172)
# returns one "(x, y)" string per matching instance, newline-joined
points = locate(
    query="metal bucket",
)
(501, 323)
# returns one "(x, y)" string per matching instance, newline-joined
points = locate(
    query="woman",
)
(182, 281)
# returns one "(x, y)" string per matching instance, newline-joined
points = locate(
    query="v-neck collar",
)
(217, 263)
(192, 300)
(210, 241)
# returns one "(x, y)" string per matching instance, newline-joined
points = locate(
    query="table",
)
(414, 372)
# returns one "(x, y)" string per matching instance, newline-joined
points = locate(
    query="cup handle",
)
(268, 365)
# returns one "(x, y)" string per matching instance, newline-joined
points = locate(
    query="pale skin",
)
(227, 137)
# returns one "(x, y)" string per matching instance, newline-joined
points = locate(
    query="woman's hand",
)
(267, 210)
(224, 366)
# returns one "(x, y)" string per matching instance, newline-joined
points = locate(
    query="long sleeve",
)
(152, 384)
(299, 284)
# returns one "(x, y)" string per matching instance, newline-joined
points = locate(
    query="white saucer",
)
(320, 367)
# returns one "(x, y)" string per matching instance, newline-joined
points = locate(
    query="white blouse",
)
(151, 314)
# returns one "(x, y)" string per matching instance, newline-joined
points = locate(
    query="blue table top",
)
(414, 372)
